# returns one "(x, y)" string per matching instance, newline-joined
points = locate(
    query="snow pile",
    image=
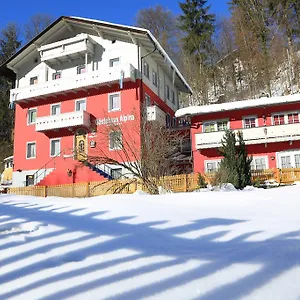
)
(213, 245)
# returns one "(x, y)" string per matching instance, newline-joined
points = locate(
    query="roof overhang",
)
(130, 34)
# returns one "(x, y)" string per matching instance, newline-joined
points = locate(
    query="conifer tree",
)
(235, 165)
(198, 26)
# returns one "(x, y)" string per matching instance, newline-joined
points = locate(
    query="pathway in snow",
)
(214, 245)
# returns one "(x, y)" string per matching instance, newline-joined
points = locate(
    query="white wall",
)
(19, 178)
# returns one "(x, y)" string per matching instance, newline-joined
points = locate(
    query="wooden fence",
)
(177, 183)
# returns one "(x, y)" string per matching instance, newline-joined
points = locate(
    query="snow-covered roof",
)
(206, 109)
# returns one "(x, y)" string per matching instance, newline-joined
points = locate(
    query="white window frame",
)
(30, 109)
(109, 141)
(51, 140)
(57, 72)
(260, 157)
(78, 100)
(120, 102)
(33, 157)
(149, 98)
(112, 60)
(250, 117)
(209, 162)
(55, 104)
(215, 124)
(37, 78)
(291, 153)
(146, 74)
(154, 78)
(286, 119)
(83, 66)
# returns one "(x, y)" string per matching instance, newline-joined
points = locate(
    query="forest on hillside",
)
(253, 51)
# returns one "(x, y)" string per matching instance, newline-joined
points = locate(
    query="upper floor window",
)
(31, 117)
(81, 69)
(114, 62)
(213, 126)
(54, 147)
(293, 118)
(147, 100)
(34, 80)
(55, 109)
(115, 140)
(80, 105)
(278, 119)
(167, 92)
(114, 102)
(31, 150)
(250, 122)
(168, 120)
(173, 97)
(146, 69)
(56, 75)
(154, 78)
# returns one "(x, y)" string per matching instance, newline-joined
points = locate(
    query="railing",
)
(75, 82)
(275, 133)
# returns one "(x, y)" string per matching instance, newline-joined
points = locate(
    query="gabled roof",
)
(237, 105)
(122, 32)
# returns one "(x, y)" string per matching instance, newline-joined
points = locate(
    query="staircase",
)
(68, 170)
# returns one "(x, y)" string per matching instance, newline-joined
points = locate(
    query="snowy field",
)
(207, 245)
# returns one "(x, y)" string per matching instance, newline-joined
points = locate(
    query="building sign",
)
(115, 120)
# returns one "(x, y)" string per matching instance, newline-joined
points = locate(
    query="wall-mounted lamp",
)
(69, 173)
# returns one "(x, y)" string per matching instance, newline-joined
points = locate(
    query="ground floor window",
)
(54, 147)
(115, 140)
(212, 166)
(259, 163)
(116, 173)
(288, 159)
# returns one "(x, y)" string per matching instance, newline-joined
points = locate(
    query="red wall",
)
(264, 115)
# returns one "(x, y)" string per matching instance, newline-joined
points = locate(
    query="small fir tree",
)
(235, 166)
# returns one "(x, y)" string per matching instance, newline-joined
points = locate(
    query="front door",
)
(81, 146)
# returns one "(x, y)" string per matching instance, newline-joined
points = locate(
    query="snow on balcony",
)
(258, 135)
(67, 120)
(73, 83)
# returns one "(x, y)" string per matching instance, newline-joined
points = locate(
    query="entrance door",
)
(81, 145)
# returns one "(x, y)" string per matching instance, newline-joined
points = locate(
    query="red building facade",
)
(70, 82)
(270, 128)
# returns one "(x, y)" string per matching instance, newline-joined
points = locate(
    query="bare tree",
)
(144, 149)
(36, 24)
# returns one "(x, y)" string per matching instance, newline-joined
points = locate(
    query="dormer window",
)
(81, 69)
(56, 75)
(114, 62)
(33, 80)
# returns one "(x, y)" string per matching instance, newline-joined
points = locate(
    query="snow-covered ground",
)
(206, 245)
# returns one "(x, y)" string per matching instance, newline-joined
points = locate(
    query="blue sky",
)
(116, 11)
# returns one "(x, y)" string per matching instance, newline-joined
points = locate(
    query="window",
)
(154, 78)
(293, 118)
(278, 119)
(173, 97)
(80, 105)
(54, 147)
(81, 69)
(33, 80)
(114, 62)
(56, 75)
(167, 92)
(212, 166)
(168, 120)
(286, 162)
(288, 159)
(259, 163)
(297, 160)
(116, 173)
(29, 180)
(115, 140)
(146, 69)
(31, 116)
(31, 150)
(55, 109)
(250, 122)
(213, 126)
(114, 102)
(147, 100)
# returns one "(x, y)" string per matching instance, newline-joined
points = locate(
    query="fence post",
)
(87, 191)
(277, 175)
(45, 191)
(185, 182)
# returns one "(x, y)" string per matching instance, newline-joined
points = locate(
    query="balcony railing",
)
(76, 82)
(67, 120)
(258, 135)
